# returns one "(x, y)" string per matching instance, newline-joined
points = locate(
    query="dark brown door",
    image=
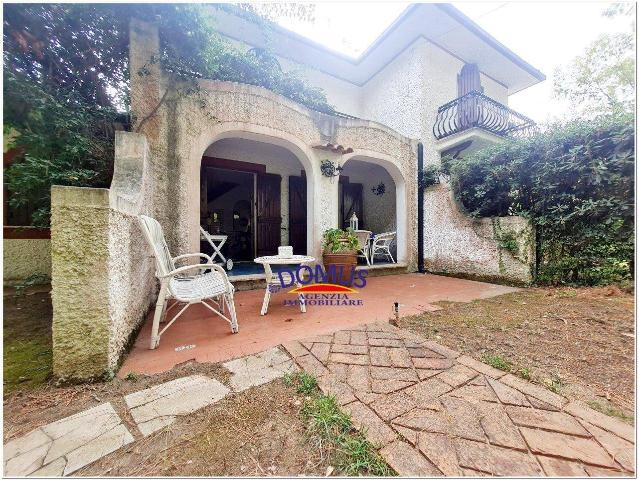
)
(268, 213)
(351, 202)
(469, 111)
(297, 202)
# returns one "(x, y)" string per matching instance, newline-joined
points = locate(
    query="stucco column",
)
(326, 201)
(144, 72)
(285, 195)
(80, 281)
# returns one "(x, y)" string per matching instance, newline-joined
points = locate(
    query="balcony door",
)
(469, 80)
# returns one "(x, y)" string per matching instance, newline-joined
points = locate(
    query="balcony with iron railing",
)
(475, 110)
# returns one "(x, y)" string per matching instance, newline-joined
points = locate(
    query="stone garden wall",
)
(103, 276)
(496, 249)
(25, 257)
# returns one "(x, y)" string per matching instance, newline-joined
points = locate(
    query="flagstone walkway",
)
(65, 446)
(433, 411)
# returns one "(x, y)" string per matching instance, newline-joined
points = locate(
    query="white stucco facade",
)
(393, 93)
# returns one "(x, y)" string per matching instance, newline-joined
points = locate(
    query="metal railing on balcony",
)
(475, 110)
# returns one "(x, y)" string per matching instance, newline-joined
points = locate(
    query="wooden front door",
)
(268, 213)
(297, 203)
(351, 202)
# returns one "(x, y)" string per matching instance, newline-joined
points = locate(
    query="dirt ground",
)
(258, 432)
(579, 342)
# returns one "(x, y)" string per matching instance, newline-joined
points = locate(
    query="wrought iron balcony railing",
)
(475, 110)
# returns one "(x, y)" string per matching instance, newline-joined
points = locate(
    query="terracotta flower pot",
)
(343, 262)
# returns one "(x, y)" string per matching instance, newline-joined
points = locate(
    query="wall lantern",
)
(379, 189)
(354, 222)
(329, 169)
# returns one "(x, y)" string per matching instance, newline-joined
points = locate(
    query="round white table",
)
(272, 279)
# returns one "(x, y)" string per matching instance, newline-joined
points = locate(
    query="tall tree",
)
(602, 79)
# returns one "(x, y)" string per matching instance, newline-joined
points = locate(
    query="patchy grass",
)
(610, 410)
(350, 452)
(576, 341)
(498, 362)
(555, 383)
(524, 373)
(306, 384)
(27, 354)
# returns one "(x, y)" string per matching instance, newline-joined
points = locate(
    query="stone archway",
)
(257, 133)
(402, 204)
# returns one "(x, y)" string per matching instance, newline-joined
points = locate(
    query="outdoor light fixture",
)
(379, 189)
(329, 169)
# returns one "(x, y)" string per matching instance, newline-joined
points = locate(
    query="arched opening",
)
(373, 189)
(254, 195)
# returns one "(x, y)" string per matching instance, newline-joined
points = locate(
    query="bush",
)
(575, 182)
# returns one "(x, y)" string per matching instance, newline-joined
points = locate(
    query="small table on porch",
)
(271, 279)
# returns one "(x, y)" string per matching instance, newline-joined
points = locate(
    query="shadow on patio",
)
(199, 336)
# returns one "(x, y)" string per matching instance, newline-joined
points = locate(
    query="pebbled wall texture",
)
(496, 249)
(24, 257)
(102, 275)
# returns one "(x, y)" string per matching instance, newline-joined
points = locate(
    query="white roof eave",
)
(440, 24)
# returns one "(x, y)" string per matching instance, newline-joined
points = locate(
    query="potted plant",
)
(340, 249)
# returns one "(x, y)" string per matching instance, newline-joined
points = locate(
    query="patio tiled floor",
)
(433, 412)
(199, 336)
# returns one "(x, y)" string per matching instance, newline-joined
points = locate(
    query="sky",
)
(545, 34)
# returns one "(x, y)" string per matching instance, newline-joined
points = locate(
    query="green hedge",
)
(575, 182)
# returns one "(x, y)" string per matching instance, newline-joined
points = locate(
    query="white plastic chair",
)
(381, 245)
(364, 244)
(210, 288)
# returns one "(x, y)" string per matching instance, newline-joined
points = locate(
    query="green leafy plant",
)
(575, 182)
(304, 383)
(609, 409)
(507, 240)
(336, 240)
(525, 373)
(555, 383)
(498, 362)
(353, 453)
(430, 176)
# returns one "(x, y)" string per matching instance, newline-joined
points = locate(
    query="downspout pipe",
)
(419, 215)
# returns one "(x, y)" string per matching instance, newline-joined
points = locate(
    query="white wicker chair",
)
(381, 245)
(208, 285)
(364, 244)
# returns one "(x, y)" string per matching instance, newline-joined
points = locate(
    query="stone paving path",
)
(433, 411)
(65, 446)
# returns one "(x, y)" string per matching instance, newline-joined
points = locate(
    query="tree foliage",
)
(66, 82)
(602, 79)
(575, 182)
